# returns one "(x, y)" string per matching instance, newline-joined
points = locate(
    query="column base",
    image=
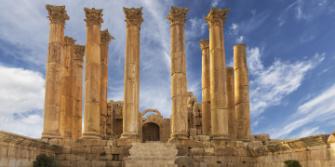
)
(90, 135)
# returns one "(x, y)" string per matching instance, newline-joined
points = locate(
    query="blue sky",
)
(291, 58)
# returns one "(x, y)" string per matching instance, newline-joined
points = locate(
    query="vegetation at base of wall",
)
(292, 163)
(44, 160)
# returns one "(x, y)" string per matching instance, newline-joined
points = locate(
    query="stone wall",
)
(20, 151)
(314, 151)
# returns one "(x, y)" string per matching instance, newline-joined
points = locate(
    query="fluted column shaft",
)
(57, 17)
(205, 80)
(105, 39)
(218, 94)
(92, 74)
(241, 83)
(179, 120)
(66, 102)
(132, 73)
(77, 88)
(231, 104)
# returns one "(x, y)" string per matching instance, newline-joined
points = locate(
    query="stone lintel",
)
(57, 14)
(105, 36)
(133, 16)
(177, 15)
(217, 15)
(93, 16)
(79, 51)
(204, 44)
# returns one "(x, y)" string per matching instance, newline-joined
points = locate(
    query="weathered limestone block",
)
(93, 73)
(218, 89)
(57, 17)
(179, 125)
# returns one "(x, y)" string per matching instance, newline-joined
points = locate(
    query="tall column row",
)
(179, 125)
(132, 74)
(53, 92)
(218, 94)
(206, 108)
(241, 92)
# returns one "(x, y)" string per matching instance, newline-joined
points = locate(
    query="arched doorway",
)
(150, 132)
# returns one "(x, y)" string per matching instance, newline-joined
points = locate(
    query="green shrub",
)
(292, 163)
(43, 160)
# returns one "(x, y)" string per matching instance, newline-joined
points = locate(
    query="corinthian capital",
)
(217, 16)
(133, 16)
(105, 36)
(93, 16)
(79, 52)
(204, 44)
(177, 15)
(57, 14)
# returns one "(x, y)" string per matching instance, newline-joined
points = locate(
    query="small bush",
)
(292, 163)
(43, 160)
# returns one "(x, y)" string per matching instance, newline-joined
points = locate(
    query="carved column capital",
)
(57, 14)
(177, 15)
(79, 51)
(105, 36)
(217, 16)
(93, 16)
(69, 41)
(204, 44)
(133, 16)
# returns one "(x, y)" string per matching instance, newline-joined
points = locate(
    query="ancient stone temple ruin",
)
(105, 133)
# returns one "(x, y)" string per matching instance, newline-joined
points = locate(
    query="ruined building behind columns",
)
(92, 73)
(52, 106)
(132, 73)
(179, 124)
(218, 90)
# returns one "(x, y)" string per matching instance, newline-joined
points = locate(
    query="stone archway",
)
(150, 132)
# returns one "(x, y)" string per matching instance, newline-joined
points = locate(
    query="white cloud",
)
(198, 27)
(270, 85)
(215, 3)
(316, 111)
(21, 101)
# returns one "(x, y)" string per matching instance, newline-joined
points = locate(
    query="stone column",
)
(218, 94)
(105, 39)
(77, 89)
(66, 102)
(57, 17)
(242, 92)
(92, 74)
(206, 109)
(179, 124)
(231, 105)
(132, 73)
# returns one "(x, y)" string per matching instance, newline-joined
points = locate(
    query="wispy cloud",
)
(21, 100)
(315, 112)
(271, 84)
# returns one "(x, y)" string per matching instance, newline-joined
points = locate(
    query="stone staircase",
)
(151, 154)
